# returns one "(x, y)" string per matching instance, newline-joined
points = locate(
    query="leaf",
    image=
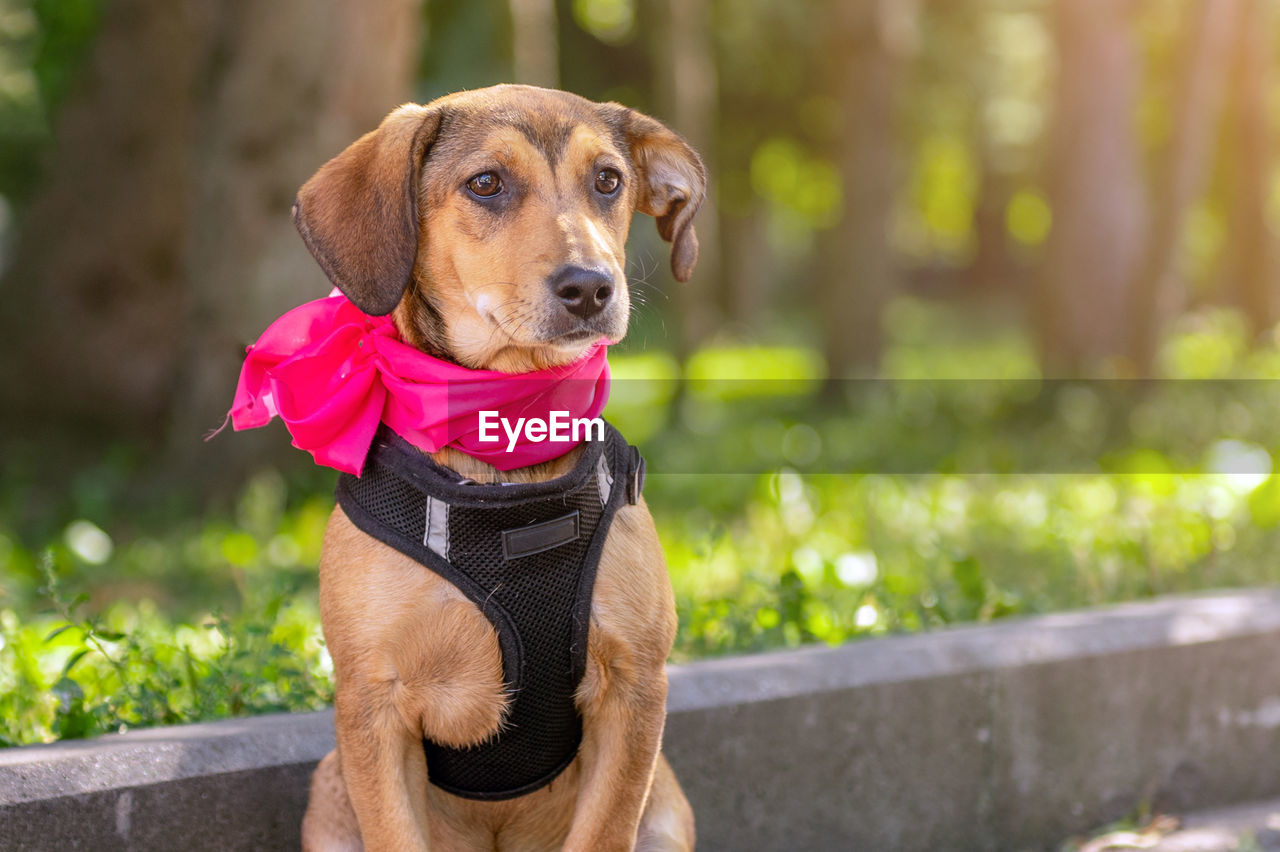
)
(58, 631)
(74, 658)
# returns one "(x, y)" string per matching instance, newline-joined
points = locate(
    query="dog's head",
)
(493, 222)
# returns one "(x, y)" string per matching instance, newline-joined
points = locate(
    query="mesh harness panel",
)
(526, 555)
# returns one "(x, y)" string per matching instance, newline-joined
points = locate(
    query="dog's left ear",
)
(673, 181)
(359, 214)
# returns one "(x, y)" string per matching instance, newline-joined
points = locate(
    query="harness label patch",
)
(536, 538)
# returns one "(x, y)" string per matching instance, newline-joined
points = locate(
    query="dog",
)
(491, 225)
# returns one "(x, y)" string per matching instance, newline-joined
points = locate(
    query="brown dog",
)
(460, 218)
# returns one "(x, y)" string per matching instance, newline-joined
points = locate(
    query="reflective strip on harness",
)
(437, 535)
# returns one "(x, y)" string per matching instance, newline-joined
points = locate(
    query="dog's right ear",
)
(673, 181)
(358, 215)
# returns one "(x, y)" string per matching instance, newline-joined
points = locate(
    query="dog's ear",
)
(673, 181)
(358, 215)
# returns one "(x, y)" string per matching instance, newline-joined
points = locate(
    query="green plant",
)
(70, 674)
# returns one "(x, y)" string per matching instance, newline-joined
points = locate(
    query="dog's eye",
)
(485, 185)
(607, 181)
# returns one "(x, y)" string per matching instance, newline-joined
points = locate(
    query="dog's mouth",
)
(580, 335)
(572, 338)
(519, 335)
(574, 335)
(560, 332)
(564, 329)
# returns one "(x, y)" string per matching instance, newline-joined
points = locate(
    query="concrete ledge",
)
(1013, 735)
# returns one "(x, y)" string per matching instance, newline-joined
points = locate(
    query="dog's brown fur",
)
(393, 225)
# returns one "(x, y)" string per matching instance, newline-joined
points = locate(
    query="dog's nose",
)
(584, 292)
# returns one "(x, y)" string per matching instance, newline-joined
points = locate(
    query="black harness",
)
(526, 555)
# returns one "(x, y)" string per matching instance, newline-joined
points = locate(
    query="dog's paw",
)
(453, 688)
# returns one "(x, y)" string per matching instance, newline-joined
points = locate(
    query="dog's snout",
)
(584, 292)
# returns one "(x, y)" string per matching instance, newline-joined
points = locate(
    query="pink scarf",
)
(332, 373)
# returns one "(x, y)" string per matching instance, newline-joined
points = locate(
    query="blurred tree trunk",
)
(992, 265)
(687, 96)
(1251, 274)
(91, 307)
(161, 242)
(872, 38)
(1180, 176)
(535, 53)
(284, 86)
(1095, 188)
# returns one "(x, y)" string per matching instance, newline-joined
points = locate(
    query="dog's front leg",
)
(623, 693)
(384, 768)
(621, 739)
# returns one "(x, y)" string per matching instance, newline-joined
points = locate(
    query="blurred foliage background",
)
(984, 324)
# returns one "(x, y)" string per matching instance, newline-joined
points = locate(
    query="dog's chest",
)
(525, 559)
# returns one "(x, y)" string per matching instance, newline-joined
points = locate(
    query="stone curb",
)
(1004, 736)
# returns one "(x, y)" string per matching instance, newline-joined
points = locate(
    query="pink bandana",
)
(332, 373)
